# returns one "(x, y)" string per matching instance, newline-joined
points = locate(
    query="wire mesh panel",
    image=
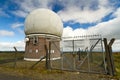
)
(83, 63)
(83, 54)
(68, 61)
(97, 57)
(55, 55)
(67, 46)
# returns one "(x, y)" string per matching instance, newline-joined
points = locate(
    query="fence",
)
(81, 53)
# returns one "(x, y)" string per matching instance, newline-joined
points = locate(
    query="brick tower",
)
(41, 26)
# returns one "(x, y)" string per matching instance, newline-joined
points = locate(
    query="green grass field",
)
(39, 72)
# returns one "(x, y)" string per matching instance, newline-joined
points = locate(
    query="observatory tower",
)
(41, 25)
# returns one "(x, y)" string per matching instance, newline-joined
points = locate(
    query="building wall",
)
(35, 48)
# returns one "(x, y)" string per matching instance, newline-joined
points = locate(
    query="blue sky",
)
(79, 17)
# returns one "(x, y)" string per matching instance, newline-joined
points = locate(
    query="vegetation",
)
(117, 63)
(39, 72)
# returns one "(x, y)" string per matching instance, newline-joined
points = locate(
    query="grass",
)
(117, 63)
(8, 55)
(41, 73)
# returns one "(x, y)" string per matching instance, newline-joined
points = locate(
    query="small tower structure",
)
(41, 25)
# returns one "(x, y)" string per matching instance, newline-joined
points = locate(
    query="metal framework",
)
(80, 53)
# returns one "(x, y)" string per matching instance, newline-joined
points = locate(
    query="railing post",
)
(49, 66)
(15, 57)
(46, 56)
(109, 56)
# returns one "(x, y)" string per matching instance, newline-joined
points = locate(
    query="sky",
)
(79, 17)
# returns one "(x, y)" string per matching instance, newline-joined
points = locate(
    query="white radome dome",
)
(43, 21)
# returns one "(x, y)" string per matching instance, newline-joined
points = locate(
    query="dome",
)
(43, 21)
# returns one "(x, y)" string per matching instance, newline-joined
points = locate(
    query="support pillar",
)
(109, 56)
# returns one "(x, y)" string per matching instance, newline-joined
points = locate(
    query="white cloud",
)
(8, 46)
(6, 33)
(20, 30)
(27, 6)
(109, 29)
(86, 14)
(117, 13)
(20, 13)
(80, 11)
(116, 45)
(69, 32)
(17, 25)
(76, 10)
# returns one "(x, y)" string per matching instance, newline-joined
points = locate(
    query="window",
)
(30, 50)
(35, 40)
(36, 50)
(51, 51)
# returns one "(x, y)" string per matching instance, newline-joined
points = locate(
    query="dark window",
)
(35, 40)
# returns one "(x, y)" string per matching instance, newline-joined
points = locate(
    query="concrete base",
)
(29, 59)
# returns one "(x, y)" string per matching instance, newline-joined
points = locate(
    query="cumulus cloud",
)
(69, 32)
(6, 33)
(91, 11)
(8, 46)
(109, 29)
(17, 25)
(117, 13)
(27, 6)
(20, 13)
(77, 10)
(116, 45)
